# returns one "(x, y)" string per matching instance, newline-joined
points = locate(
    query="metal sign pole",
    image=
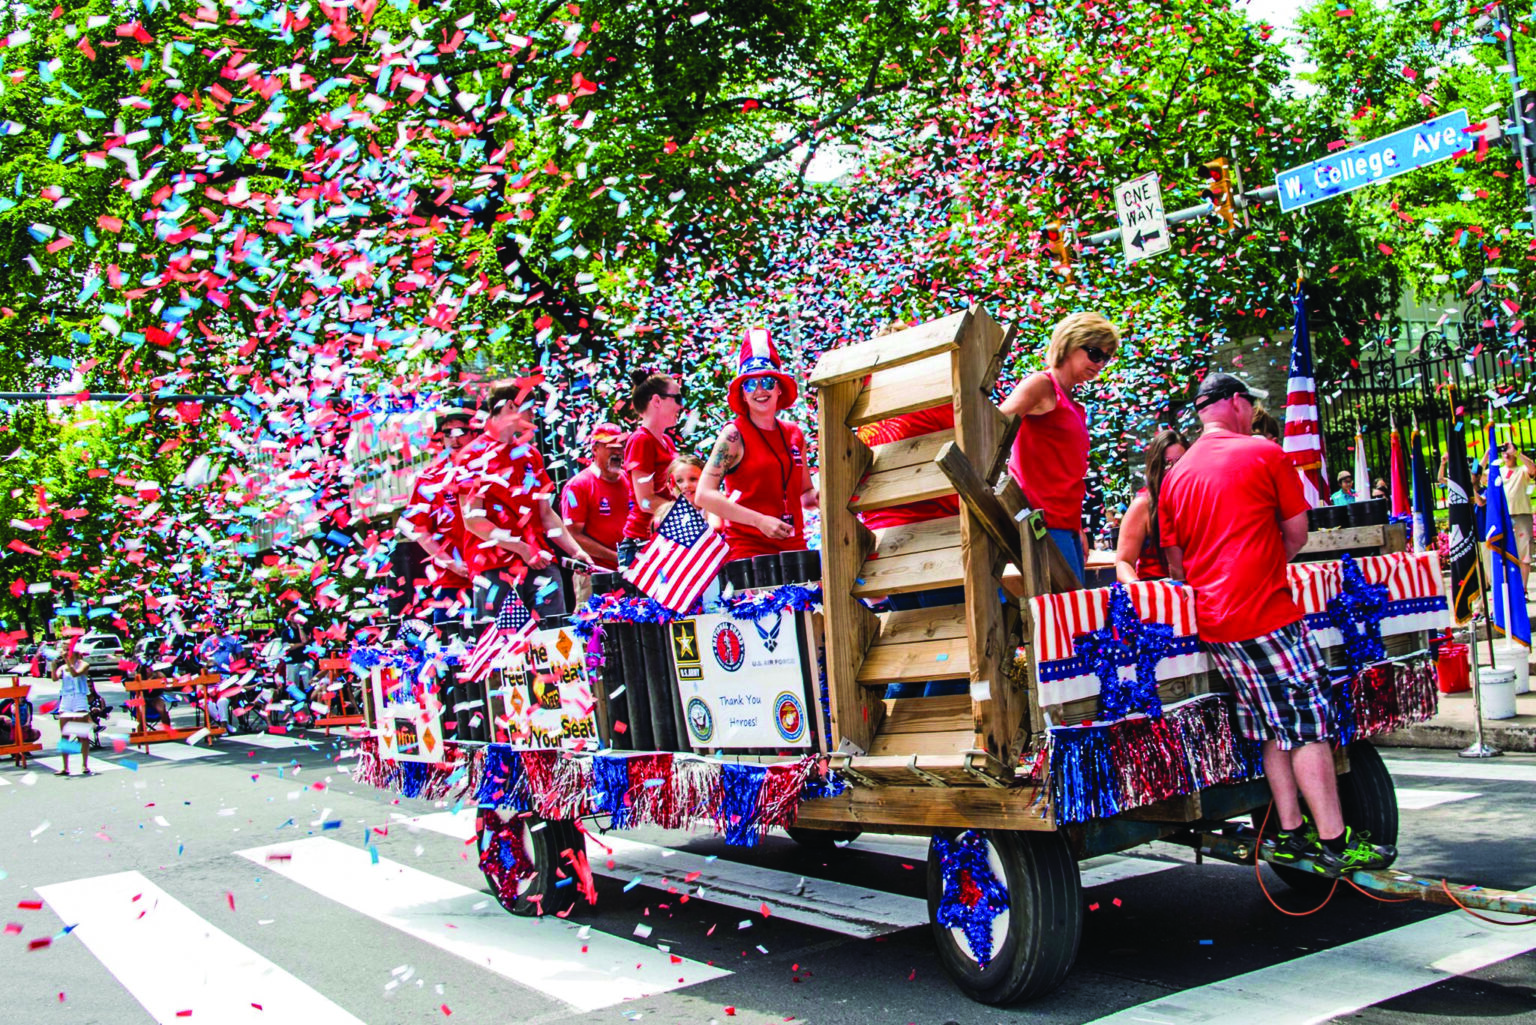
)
(1479, 749)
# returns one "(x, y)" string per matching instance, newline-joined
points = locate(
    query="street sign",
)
(1374, 161)
(1143, 228)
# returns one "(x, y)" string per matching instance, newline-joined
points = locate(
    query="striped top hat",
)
(760, 358)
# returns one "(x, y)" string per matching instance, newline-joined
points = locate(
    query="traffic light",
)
(1219, 190)
(1522, 132)
(1057, 242)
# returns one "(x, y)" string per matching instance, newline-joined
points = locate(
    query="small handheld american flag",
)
(508, 635)
(681, 559)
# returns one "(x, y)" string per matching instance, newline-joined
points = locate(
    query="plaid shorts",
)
(1281, 684)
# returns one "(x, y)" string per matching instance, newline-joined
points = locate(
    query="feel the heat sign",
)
(1374, 161)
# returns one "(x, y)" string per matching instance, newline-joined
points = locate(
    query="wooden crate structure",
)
(973, 738)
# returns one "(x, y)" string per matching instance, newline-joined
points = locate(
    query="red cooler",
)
(1453, 669)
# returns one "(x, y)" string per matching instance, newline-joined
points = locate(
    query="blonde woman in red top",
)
(1050, 454)
(756, 479)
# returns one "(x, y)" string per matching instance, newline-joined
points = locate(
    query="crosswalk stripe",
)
(1340, 981)
(269, 740)
(97, 764)
(584, 968)
(4, 782)
(1110, 868)
(1489, 771)
(176, 963)
(176, 751)
(1411, 799)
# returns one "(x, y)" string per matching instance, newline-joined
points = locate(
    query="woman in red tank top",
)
(1050, 454)
(756, 478)
(1139, 556)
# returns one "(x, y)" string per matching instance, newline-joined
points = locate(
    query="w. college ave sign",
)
(1374, 161)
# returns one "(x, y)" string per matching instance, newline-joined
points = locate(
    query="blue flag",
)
(1509, 613)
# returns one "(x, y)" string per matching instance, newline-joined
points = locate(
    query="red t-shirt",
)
(1223, 505)
(509, 479)
(899, 428)
(647, 457)
(434, 512)
(597, 508)
(767, 480)
(1050, 460)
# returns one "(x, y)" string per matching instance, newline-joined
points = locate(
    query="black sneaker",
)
(1359, 855)
(1293, 845)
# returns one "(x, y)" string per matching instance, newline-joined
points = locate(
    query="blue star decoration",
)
(1125, 635)
(1357, 611)
(973, 895)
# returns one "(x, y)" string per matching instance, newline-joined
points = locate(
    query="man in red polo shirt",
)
(1232, 516)
(504, 497)
(597, 502)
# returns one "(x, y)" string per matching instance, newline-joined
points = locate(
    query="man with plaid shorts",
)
(1232, 516)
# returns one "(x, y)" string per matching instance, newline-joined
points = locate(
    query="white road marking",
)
(1338, 982)
(1489, 770)
(837, 907)
(4, 782)
(270, 740)
(1113, 868)
(1411, 799)
(97, 764)
(580, 966)
(171, 960)
(178, 751)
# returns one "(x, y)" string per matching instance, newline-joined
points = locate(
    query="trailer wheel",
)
(1369, 802)
(1033, 938)
(523, 861)
(821, 839)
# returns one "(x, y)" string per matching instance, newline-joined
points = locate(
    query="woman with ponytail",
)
(648, 455)
(1139, 556)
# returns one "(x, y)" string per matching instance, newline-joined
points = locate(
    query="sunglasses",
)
(1097, 355)
(675, 396)
(753, 384)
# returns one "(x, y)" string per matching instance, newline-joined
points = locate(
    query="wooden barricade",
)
(15, 746)
(973, 738)
(144, 736)
(340, 710)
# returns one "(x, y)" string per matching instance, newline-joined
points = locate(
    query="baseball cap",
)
(608, 433)
(451, 415)
(1217, 387)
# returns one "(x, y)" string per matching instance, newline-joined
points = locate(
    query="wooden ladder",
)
(971, 738)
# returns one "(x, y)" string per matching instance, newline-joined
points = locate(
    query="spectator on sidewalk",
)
(74, 711)
(1515, 475)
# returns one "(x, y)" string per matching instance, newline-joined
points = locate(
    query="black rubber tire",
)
(1045, 921)
(1368, 799)
(821, 839)
(544, 893)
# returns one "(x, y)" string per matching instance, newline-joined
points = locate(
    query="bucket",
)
(1452, 669)
(1498, 686)
(1510, 655)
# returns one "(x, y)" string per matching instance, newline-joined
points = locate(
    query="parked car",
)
(102, 653)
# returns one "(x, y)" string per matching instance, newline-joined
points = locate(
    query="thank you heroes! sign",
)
(1143, 225)
(742, 682)
(1375, 161)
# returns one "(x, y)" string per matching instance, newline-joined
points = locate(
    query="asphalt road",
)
(256, 882)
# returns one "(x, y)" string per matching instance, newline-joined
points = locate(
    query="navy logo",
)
(730, 650)
(789, 717)
(602, 505)
(700, 722)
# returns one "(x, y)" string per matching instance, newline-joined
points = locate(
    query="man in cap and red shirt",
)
(597, 502)
(756, 479)
(1232, 514)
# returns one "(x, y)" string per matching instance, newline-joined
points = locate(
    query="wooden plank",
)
(919, 660)
(902, 574)
(896, 809)
(927, 715)
(932, 744)
(906, 389)
(845, 545)
(988, 511)
(943, 621)
(854, 362)
(1342, 539)
(909, 451)
(900, 484)
(927, 536)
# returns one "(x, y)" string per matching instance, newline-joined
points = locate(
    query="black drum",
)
(765, 570)
(738, 573)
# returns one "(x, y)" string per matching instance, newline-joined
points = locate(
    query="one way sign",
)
(1143, 229)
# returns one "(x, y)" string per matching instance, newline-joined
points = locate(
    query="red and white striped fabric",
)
(1409, 576)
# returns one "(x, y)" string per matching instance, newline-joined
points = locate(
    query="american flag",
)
(509, 634)
(681, 560)
(1303, 441)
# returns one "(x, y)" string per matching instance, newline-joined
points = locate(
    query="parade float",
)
(1091, 721)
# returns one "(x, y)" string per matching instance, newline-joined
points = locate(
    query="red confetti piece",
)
(39, 944)
(30, 905)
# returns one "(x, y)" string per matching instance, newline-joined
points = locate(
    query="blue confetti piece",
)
(333, 824)
(129, 764)
(373, 854)
(632, 884)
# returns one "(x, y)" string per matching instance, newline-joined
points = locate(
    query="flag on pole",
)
(681, 560)
(1510, 616)
(1423, 498)
(1303, 440)
(1465, 585)
(1362, 469)
(508, 635)
(1396, 490)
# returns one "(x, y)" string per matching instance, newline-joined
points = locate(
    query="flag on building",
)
(1462, 528)
(1423, 498)
(1510, 616)
(508, 635)
(1362, 469)
(1303, 440)
(682, 559)
(1397, 490)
